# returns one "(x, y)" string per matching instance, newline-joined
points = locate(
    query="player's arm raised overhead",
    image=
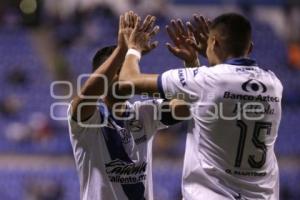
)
(169, 84)
(178, 107)
(138, 43)
(94, 87)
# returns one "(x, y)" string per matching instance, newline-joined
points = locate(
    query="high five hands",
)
(188, 40)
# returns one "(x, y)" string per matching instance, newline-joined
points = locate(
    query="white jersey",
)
(236, 111)
(114, 162)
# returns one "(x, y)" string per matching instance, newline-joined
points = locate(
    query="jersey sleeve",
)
(183, 83)
(80, 130)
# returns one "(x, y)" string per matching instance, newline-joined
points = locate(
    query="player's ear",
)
(214, 42)
(216, 46)
(250, 47)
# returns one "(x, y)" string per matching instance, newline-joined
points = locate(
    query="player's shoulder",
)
(214, 70)
(224, 68)
(271, 74)
(240, 69)
(274, 79)
(87, 129)
(144, 104)
(207, 72)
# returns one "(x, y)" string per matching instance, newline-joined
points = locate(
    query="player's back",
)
(232, 136)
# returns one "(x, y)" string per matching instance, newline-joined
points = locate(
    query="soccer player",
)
(114, 161)
(236, 109)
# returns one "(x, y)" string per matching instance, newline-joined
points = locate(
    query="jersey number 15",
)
(260, 145)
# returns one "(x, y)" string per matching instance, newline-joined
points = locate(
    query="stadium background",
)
(42, 41)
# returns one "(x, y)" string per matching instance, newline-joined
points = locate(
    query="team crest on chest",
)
(135, 126)
(125, 136)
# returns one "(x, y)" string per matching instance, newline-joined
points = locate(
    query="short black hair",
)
(236, 32)
(101, 56)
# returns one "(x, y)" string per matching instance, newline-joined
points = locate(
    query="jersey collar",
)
(241, 62)
(106, 114)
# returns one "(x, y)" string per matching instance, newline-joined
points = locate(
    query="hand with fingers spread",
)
(126, 26)
(142, 34)
(200, 30)
(181, 36)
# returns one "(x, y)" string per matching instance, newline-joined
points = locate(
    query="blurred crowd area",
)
(42, 41)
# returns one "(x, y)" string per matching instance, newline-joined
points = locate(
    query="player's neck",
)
(229, 57)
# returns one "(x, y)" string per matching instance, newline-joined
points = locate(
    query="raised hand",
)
(181, 38)
(200, 30)
(126, 26)
(140, 38)
(122, 27)
(130, 19)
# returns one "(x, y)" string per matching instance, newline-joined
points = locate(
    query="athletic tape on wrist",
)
(135, 53)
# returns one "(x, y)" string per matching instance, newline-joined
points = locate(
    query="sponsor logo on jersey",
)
(195, 71)
(126, 173)
(181, 77)
(243, 69)
(141, 139)
(261, 98)
(254, 109)
(256, 88)
(253, 85)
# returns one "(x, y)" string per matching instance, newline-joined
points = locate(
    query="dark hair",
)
(235, 30)
(101, 56)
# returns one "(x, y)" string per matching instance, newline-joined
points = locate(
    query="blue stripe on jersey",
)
(116, 150)
(160, 87)
(241, 62)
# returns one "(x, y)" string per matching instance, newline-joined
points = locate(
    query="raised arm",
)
(150, 84)
(94, 87)
(143, 83)
(139, 42)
